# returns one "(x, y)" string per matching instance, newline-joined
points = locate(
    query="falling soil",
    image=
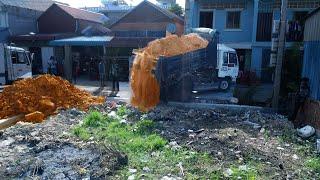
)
(40, 97)
(145, 88)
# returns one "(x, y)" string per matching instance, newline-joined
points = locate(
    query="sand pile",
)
(146, 90)
(40, 97)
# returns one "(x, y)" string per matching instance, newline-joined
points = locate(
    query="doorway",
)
(206, 19)
(37, 60)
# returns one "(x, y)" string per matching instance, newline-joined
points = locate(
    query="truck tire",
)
(224, 84)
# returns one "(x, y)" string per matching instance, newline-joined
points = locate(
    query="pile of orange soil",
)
(40, 97)
(145, 87)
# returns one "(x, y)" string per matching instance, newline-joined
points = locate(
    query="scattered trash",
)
(234, 100)
(295, 157)
(131, 177)
(306, 131)
(174, 145)
(254, 125)
(133, 171)
(228, 172)
(146, 169)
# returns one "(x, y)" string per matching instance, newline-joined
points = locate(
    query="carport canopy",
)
(82, 41)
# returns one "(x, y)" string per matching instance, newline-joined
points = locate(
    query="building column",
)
(255, 20)
(189, 15)
(256, 57)
(67, 64)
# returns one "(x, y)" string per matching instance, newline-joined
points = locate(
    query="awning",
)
(82, 41)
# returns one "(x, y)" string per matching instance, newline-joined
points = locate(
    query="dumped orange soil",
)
(145, 87)
(40, 97)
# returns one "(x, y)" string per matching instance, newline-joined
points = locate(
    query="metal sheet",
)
(82, 41)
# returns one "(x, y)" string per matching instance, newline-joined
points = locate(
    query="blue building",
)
(311, 60)
(246, 25)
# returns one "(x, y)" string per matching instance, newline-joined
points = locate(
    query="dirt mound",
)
(40, 97)
(146, 90)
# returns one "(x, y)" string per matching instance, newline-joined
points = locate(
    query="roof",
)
(82, 41)
(135, 42)
(39, 5)
(41, 37)
(313, 12)
(223, 47)
(165, 12)
(83, 14)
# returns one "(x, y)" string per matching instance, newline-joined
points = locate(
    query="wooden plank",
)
(5, 123)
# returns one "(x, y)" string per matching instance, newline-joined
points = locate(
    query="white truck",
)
(15, 64)
(215, 66)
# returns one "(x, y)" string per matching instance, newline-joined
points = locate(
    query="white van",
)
(15, 64)
(227, 65)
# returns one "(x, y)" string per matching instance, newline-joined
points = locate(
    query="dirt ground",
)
(265, 141)
(49, 151)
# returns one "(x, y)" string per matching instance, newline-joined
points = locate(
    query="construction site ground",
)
(116, 141)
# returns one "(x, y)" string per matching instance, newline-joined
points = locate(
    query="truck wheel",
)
(224, 84)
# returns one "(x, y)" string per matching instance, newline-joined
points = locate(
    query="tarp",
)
(82, 41)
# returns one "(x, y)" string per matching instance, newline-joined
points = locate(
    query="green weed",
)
(81, 132)
(314, 164)
(93, 119)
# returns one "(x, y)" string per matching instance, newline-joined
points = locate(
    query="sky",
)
(93, 3)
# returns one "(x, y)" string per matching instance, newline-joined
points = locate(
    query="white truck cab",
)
(227, 65)
(15, 64)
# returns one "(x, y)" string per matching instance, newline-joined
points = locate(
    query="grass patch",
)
(93, 119)
(81, 132)
(314, 164)
(148, 152)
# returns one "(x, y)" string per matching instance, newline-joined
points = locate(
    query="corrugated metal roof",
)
(84, 14)
(39, 5)
(82, 41)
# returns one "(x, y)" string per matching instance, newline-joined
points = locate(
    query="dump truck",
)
(15, 64)
(213, 67)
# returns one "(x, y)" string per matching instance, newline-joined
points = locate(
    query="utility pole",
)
(281, 49)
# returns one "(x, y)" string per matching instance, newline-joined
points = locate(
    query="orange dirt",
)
(145, 87)
(40, 97)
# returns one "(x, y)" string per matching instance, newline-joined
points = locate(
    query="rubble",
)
(49, 151)
(145, 88)
(306, 131)
(39, 97)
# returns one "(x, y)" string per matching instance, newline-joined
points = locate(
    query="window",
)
(3, 19)
(233, 58)
(233, 20)
(206, 19)
(18, 58)
(225, 59)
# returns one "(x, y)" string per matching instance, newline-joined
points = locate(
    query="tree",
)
(176, 9)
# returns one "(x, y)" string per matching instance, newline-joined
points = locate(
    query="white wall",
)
(46, 53)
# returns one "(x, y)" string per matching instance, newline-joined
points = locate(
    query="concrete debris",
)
(306, 131)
